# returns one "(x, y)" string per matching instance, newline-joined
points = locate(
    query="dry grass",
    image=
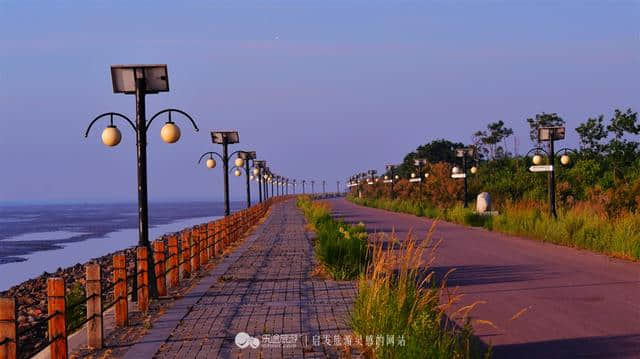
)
(399, 296)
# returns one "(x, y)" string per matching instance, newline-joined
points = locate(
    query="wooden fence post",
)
(159, 260)
(56, 303)
(195, 256)
(143, 279)
(216, 237)
(94, 305)
(173, 261)
(8, 328)
(120, 290)
(186, 255)
(202, 237)
(210, 239)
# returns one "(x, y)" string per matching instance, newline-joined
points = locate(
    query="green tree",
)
(622, 151)
(435, 151)
(488, 142)
(591, 133)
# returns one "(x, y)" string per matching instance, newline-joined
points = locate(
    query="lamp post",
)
(294, 186)
(140, 80)
(420, 163)
(224, 138)
(313, 191)
(258, 172)
(243, 162)
(303, 183)
(338, 188)
(457, 173)
(391, 169)
(550, 134)
(323, 188)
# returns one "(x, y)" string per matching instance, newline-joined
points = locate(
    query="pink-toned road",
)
(578, 304)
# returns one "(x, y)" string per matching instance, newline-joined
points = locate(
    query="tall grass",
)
(341, 248)
(581, 226)
(456, 214)
(578, 227)
(397, 297)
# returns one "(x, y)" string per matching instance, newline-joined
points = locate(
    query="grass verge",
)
(578, 227)
(341, 248)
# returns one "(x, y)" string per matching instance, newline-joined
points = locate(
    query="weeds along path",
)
(544, 300)
(266, 290)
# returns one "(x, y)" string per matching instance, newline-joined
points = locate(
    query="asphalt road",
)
(578, 304)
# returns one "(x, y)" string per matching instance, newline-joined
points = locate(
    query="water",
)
(39, 238)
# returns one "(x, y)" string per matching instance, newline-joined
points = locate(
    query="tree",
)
(543, 120)
(621, 150)
(591, 133)
(434, 152)
(488, 141)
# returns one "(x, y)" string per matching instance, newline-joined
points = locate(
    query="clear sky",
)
(320, 89)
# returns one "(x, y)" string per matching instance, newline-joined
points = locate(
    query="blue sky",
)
(320, 89)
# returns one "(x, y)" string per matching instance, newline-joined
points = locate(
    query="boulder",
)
(483, 202)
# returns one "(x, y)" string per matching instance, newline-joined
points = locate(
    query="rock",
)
(483, 202)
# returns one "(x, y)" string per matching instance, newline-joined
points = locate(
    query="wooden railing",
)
(177, 257)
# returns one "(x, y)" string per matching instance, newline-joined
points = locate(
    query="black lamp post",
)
(550, 134)
(246, 156)
(140, 80)
(323, 186)
(464, 153)
(338, 188)
(391, 170)
(294, 186)
(303, 183)
(225, 138)
(259, 172)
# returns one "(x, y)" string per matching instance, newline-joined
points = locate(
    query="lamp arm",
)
(537, 149)
(169, 110)
(111, 114)
(210, 153)
(565, 150)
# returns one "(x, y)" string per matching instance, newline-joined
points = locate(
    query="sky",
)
(320, 89)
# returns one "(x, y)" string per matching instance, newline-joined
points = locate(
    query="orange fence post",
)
(8, 328)
(94, 305)
(186, 255)
(173, 261)
(159, 260)
(195, 259)
(120, 290)
(143, 279)
(56, 303)
(211, 230)
(202, 231)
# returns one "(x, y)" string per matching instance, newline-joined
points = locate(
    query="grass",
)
(76, 309)
(397, 296)
(341, 248)
(457, 214)
(579, 227)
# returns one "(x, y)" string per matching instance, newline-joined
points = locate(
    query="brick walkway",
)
(264, 288)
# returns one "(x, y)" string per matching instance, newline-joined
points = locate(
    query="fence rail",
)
(178, 256)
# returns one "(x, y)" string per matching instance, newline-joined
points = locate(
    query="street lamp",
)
(462, 173)
(391, 169)
(550, 134)
(224, 138)
(140, 80)
(242, 163)
(258, 172)
(303, 183)
(323, 188)
(313, 191)
(337, 188)
(294, 186)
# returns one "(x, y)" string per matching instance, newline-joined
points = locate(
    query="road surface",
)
(578, 304)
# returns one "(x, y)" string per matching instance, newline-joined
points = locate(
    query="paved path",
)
(264, 288)
(579, 304)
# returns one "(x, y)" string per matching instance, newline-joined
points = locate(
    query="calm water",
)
(39, 238)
